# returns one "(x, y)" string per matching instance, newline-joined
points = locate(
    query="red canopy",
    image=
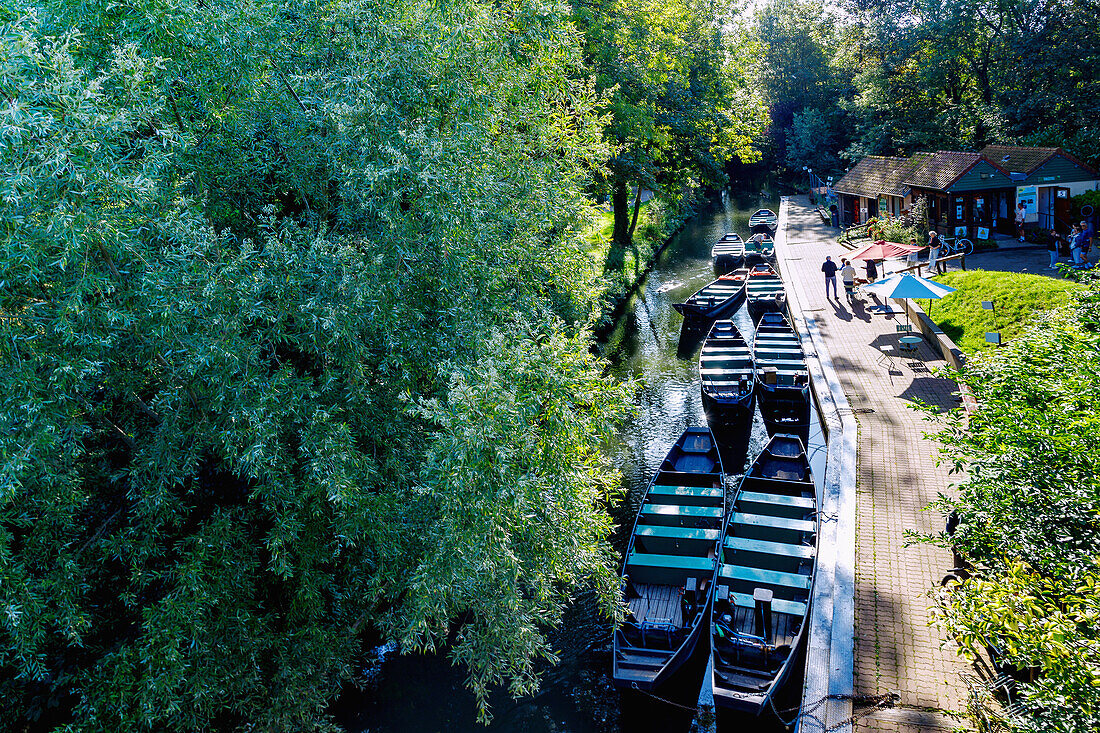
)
(882, 250)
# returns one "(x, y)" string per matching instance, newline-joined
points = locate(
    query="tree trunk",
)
(620, 196)
(637, 208)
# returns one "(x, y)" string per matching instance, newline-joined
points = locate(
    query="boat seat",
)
(693, 495)
(774, 578)
(675, 540)
(647, 567)
(677, 515)
(784, 500)
(779, 605)
(763, 520)
(679, 533)
(764, 547)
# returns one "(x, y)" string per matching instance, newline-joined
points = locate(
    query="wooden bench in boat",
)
(764, 547)
(675, 540)
(764, 520)
(779, 605)
(674, 514)
(647, 567)
(750, 577)
(686, 495)
(793, 507)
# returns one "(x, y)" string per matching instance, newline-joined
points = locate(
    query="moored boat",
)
(726, 377)
(763, 220)
(764, 292)
(728, 253)
(762, 592)
(782, 379)
(759, 248)
(670, 563)
(722, 296)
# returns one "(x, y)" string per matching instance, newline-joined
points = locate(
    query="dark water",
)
(425, 693)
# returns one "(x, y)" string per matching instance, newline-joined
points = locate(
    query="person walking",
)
(1053, 245)
(848, 277)
(935, 246)
(1021, 215)
(829, 268)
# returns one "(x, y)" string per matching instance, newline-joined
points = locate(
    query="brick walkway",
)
(895, 648)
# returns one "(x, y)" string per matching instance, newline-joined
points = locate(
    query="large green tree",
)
(293, 320)
(678, 96)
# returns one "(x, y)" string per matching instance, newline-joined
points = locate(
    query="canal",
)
(426, 694)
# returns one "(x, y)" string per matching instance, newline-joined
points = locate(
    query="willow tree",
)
(678, 96)
(293, 318)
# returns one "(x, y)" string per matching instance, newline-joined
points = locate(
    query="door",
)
(1061, 209)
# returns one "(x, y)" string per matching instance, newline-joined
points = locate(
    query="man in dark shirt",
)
(829, 268)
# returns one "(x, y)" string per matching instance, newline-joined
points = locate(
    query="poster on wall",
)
(958, 212)
(983, 232)
(960, 231)
(1028, 195)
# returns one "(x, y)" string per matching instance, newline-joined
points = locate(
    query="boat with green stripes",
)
(716, 299)
(728, 253)
(782, 379)
(726, 377)
(764, 292)
(670, 563)
(759, 248)
(762, 592)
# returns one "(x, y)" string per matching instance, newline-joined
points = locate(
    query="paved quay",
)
(895, 648)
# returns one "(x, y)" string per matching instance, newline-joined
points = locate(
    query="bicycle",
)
(955, 246)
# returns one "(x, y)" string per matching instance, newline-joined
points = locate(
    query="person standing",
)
(1052, 248)
(1076, 238)
(872, 270)
(1086, 243)
(829, 268)
(848, 277)
(935, 246)
(1021, 214)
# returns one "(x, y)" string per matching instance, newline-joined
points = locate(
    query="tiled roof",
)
(1020, 160)
(874, 175)
(942, 168)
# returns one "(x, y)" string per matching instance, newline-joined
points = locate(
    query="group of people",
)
(1076, 245)
(847, 275)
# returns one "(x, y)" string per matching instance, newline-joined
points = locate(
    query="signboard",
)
(983, 232)
(1062, 193)
(1028, 195)
(958, 212)
(960, 231)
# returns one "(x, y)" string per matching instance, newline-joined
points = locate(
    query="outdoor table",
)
(910, 343)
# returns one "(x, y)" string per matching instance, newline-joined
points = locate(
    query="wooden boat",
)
(763, 220)
(726, 376)
(762, 592)
(759, 248)
(671, 563)
(782, 380)
(722, 296)
(728, 253)
(764, 292)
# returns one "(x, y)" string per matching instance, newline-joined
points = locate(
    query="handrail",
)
(961, 257)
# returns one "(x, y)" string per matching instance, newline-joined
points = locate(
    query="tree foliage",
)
(679, 98)
(294, 323)
(1029, 515)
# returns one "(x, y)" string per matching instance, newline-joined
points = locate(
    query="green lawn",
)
(1016, 296)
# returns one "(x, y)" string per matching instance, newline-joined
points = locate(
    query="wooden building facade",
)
(969, 194)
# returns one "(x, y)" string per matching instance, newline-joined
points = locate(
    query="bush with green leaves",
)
(294, 318)
(1028, 506)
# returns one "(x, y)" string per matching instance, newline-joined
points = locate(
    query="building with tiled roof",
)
(969, 194)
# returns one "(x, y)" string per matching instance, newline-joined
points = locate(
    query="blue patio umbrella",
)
(906, 285)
